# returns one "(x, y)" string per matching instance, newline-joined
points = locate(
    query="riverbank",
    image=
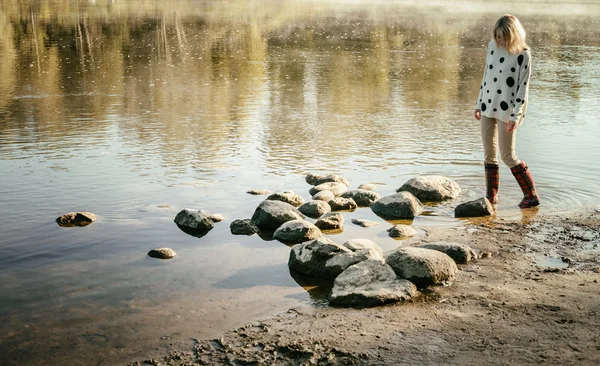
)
(534, 298)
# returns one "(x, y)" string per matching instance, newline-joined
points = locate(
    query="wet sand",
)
(535, 298)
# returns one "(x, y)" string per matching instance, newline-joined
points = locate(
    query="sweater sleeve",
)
(485, 68)
(522, 87)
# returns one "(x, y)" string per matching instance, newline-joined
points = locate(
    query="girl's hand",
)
(512, 125)
(478, 114)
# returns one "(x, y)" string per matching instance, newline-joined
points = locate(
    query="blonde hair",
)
(513, 33)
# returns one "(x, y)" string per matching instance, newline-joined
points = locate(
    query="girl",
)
(501, 106)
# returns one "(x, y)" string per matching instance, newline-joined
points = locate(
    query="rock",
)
(326, 259)
(297, 231)
(193, 221)
(315, 180)
(162, 253)
(315, 208)
(324, 196)
(370, 283)
(243, 227)
(76, 219)
(460, 253)
(401, 205)
(259, 192)
(288, 197)
(330, 221)
(334, 187)
(342, 204)
(216, 217)
(272, 214)
(402, 231)
(360, 244)
(477, 208)
(364, 223)
(367, 186)
(423, 267)
(431, 188)
(362, 197)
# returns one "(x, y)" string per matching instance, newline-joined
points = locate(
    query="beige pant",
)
(493, 133)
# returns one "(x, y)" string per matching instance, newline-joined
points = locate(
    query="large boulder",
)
(362, 197)
(324, 258)
(357, 244)
(315, 180)
(431, 188)
(297, 231)
(162, 253)
(342, 204)
(315, 208)
(330, 221)
(76, 219)
(370, 283)
(477, 208)
(292, 198)
(243, 227)
(334, 187)
(401, 231)
(423, 267)
(272, 214)
(402, 205)
(460, 253)
(194, 221)
(323, 196)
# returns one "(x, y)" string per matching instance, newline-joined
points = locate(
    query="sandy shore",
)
(535, 298)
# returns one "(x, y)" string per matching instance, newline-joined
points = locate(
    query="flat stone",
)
(162, 253)
(315, 180)
(477, 208)
(367, 186)
(76, 219)
(431, 188)
(336, 188)
(323, 196)
(259, 192)
(423, 267)
(460, 253)
(360, 244)
(292, 198)
(364, 223)
(402, 231)
(342, 204)
(216, 217)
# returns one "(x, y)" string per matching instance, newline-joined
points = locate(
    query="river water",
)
(135, 110)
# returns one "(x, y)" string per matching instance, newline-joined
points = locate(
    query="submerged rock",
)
(431, 188)
(273, 214)
(292, 198)
(243, 227)
(364, 223)
(460, 253)
(401, 205)
(216, 218)
(315, 180)
(334, 187)
(162, 253)
(259, 192)
(323, 196)
(76, 219)
(315, 208)
(330, 221)
(326, 259)
(342, 204)
(297, 231)
(423, 267)
(367, 186)
(357, 244)
(362, 197)
(370, 283)
(193, 221)
(402, 231)
(477, 208)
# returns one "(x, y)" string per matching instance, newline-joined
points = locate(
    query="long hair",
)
(513, 32)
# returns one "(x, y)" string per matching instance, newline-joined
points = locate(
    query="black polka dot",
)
(510, 81)
(501, 71)
(511, 102)
(492, 52)
(491, 67)
(501, 59)
(490, 101)
(495, 110)
(525, 67)
(523, 101)
(503, 105)
(480, 100)
(520, 59)
(499, 91)
(512, 69)
(495, 79)
(488, 91)
(512, 114)
(525, 83)
(483, 107)
(513, 94)
(518, 100)
(481, 87)
(484, 83)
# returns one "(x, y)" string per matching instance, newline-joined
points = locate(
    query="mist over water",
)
(135, 110)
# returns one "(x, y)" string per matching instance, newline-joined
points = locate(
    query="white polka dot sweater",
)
(505, 87)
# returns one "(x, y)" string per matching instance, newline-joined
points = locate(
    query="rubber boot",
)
(525, 180)
(492, 181)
